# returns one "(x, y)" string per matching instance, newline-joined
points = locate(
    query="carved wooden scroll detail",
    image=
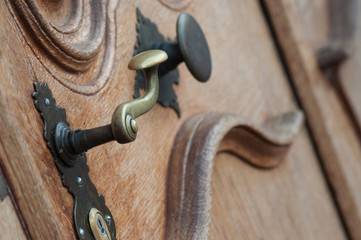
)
(194, 150)
(84, 44)
(176, 5)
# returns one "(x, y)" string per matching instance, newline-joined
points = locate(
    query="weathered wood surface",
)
(192, 159)
(347, 74)
(342, 19)
(331, 126)
(10, 224)
(247, 79)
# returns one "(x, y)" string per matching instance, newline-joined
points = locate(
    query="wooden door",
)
(81, 50)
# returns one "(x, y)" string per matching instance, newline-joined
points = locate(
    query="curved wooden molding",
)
(87, 39)
(343, 25)
(194, 150)
(176, 5)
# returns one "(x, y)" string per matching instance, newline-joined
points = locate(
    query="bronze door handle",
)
(123, 128)
(92, 218)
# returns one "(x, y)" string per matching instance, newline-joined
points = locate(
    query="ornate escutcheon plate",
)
(75, 178)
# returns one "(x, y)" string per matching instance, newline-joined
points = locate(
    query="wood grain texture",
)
(342, 17)
(10, 226)
(346, 22)
(250, 203)
(247, 79)
(87, 38)
(192, 160)
(334, 134)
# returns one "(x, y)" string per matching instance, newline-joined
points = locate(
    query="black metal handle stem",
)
(82, 140)
(174, 56)
(71, 144)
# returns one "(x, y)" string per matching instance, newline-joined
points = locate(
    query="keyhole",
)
(98, 225)
(99, 222)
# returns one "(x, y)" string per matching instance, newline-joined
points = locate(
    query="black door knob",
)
(191, 47)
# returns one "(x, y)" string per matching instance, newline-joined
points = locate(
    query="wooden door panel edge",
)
(194, 151)
(10, 224)
(22, 174)
(335, 138)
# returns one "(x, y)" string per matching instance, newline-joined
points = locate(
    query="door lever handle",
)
(123, 127)
(92, 218)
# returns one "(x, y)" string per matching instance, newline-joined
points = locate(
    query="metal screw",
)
(81, 232)
(108, 219)
(79, 180)
(133, 125)
(47, 102)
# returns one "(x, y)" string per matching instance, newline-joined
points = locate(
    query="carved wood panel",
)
(330, 122)
(81, 49)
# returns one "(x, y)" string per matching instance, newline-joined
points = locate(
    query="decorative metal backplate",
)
(148, 35)
(3, 187)
(75, 178)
